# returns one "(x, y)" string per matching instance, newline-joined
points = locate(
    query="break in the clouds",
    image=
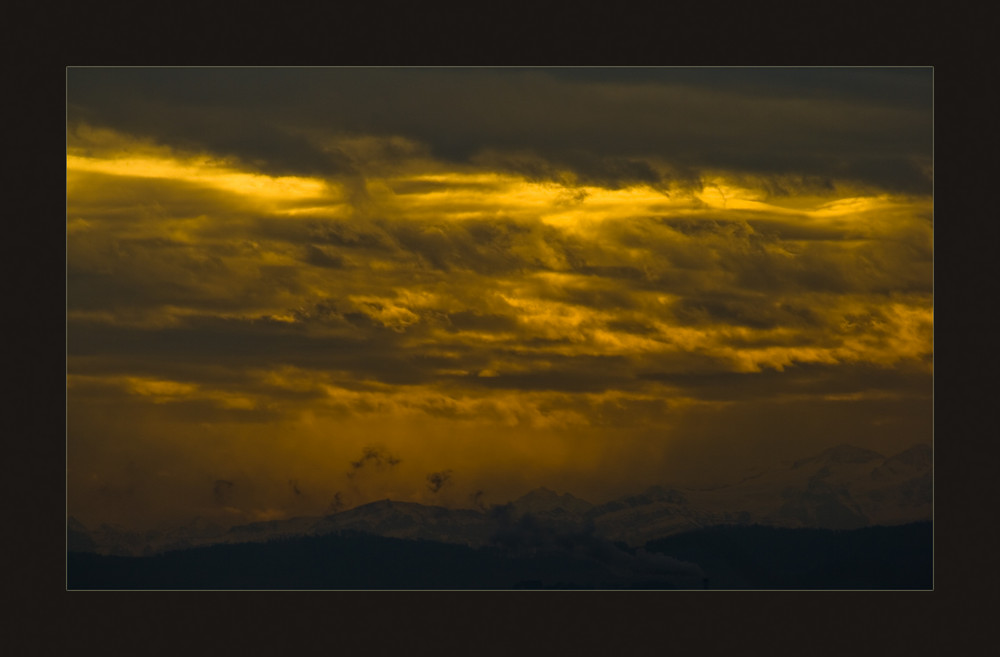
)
(339, 280)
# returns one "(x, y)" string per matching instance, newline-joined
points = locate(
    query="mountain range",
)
(844, 487)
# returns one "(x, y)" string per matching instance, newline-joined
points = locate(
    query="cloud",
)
(373, 456)
(222, 490)
(605, 130)
(317, 256)
(436, 480)
(477, 500)
(336, 505)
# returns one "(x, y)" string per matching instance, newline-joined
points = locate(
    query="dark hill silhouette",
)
(759, 557)
(729, 557)
(353, 561)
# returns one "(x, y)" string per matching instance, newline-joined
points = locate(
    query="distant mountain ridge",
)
(543, 500)
(842, 454)
(844, 487)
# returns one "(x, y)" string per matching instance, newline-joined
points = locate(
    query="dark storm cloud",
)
(447, 248)
(607, 298)
(221, 351)
(866, 124)
(736, 309)
(357, 233)
(105, 270)
(219, 111)
(587, 167)
(485, 246)
(687, 255)
(611, 272)
(489, 246)
(205, 336)
(906, 87)
(776, 229)
(319, 257)
(374, 457)
(469, 320)
(632, 327)
(437, 480)
(248, 342)
(802, 379)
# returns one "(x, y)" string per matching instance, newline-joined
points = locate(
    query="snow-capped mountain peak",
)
(545, 501)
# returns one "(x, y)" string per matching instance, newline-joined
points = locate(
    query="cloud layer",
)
(519, 276)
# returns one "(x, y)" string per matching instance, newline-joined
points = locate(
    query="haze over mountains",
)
(845, 487)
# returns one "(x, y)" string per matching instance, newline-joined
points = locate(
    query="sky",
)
(291, 291)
